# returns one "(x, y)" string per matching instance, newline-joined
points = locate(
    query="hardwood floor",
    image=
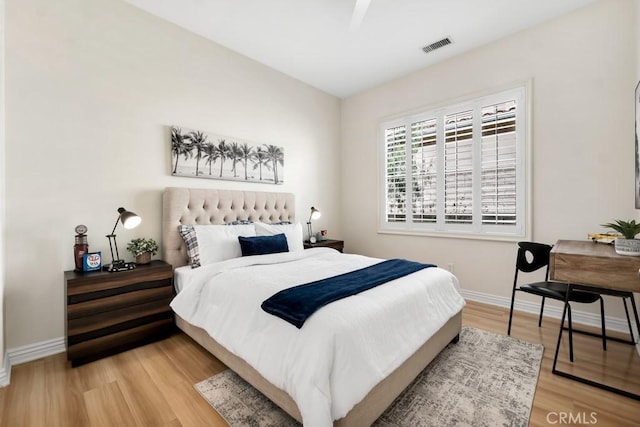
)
(153, 385)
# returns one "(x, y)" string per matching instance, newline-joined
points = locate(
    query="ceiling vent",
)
(437, 45)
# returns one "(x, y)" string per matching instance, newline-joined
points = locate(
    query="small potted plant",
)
(627, 244)
(143, 249)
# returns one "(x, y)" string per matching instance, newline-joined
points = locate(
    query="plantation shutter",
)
(499, 164)
(423, 171)
(458, 168)
(396, 167)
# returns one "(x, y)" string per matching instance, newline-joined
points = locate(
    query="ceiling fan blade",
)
(359, 10)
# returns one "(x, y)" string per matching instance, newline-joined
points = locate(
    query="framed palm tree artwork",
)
(200, 154)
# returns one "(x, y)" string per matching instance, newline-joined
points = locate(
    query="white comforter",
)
(343, 350)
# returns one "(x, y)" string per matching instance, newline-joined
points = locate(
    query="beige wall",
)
(583, 69)
(91, 89)
(2, 190)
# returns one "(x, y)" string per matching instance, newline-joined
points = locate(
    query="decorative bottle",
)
(81, 246)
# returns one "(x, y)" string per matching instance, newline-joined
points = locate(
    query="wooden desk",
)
(594, 267)
(596, 264)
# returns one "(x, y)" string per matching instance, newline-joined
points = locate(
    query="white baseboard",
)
(27, 353)
(35, 351)
(582, 317)
(5, 372)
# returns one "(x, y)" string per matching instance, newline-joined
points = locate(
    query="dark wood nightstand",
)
(335, 244)
(111, 312)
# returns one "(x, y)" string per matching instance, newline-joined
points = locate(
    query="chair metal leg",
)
(604, 330)
(635, 313)
(541, 310)
(626, 311)
(564, 312)
(568, 308)
(513, 297)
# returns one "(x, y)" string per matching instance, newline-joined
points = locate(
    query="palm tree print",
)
(198, 146)
(260, 159)
(234, 156)
(199, 140)
(275, 156)
(245, 154)
(210, 155)
(179, 146)
(222, 151)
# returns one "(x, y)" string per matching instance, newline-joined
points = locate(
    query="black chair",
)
(534, 256)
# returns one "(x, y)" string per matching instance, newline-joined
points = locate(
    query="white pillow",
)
(220, 242)
(293, 233)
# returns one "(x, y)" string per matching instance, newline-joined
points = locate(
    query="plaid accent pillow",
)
(240, 222)
(188, 234)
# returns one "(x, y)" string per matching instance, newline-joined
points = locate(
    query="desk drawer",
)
(619, 273)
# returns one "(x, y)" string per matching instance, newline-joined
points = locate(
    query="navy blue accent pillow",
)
(262, 245)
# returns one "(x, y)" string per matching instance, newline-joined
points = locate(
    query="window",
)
(458, 170)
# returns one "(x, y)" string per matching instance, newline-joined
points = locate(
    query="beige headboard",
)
(187, 206)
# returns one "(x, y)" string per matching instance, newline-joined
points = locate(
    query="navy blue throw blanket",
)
(297, 304)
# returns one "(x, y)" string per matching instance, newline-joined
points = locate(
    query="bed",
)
(183, 206)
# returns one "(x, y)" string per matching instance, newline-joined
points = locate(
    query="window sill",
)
(452, 235)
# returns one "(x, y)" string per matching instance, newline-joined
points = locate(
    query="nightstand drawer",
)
(109, 322)
(113, 283)
(108, 345)
(90, 304)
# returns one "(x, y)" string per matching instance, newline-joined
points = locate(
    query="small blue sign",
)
(92, 261)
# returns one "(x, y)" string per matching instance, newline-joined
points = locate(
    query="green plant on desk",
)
(629, 245)
(628, 229)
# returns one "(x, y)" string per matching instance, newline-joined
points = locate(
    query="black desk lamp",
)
(129, 220)
(315, 214)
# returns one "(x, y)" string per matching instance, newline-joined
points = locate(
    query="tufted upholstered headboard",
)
(187, 206)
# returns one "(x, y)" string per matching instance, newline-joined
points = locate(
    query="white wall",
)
(92, 87)
(637, 42)
(583, 67)
(2, 195)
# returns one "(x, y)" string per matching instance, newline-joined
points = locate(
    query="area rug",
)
(484, 380)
